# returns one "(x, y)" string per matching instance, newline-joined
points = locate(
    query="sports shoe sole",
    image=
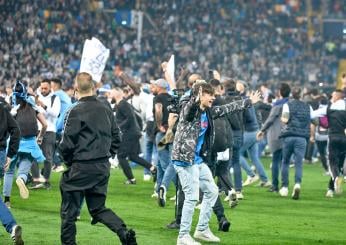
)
(23, 191)
(38, 186)
(162, 197)
(296, 193)
(204, 238)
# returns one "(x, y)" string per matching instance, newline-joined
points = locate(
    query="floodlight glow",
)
(320, 84)
(344, 31)
(123, 22)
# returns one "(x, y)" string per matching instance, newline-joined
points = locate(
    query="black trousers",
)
(90, 180)
(322, 149)
(337, 153)
(223, 175)
(129, 150)
(48, 149)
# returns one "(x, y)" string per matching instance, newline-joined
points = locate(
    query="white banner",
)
(94, 58)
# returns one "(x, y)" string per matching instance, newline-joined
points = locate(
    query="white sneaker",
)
(59, 169)
(173, 198)
(206, 235)
(296, 191)
(283, 191)
(338, 185)
(227, 198)
(187, 240)
(330, 193)
(23, 191)
(239, 195)
(345, 179)
(147, 177)
(232, 198)
(155, 195)
(251, 180)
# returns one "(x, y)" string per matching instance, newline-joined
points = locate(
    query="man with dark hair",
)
(90, 137)
(191, 151)
(272, 126)
(294, 134)
(131, 133)
(336, 114)
(65, 103)
(238, 130)
(51, 109)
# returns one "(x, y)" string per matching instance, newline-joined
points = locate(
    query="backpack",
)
(27, 121)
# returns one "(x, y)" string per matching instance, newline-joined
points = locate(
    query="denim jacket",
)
(188, 128)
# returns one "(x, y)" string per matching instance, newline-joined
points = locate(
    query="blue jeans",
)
(150, 152)
(237, 143)
(6, 217)
(296, 146)
(276, 165)
(193, 178)
(2, 162)
(250, 145)
(164, 159)
(24, 166)
(170, 175)
(262, 145)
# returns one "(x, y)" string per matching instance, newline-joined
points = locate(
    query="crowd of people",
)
(235, 95)
(208, 132)
(257, 42)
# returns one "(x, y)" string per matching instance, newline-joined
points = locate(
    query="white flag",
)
(171, 68)
(94, 58)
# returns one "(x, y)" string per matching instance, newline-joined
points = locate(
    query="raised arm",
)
(236, 106)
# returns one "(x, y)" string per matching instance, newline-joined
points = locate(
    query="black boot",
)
(127, 237)
(224, 224)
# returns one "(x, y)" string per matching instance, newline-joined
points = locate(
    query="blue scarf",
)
(280, 102)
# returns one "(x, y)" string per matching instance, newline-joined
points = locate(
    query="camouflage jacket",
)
(189, 125)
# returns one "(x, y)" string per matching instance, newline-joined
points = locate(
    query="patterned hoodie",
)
(189, 125)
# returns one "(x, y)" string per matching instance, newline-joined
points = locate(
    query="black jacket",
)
(236, 119)
(189, 125)
(8, 126)
(126, 119)
(90, 132)
(223, 130)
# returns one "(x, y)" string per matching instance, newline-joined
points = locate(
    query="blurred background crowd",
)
(259, 41)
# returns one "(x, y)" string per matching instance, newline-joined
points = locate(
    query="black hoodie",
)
(8, 126)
